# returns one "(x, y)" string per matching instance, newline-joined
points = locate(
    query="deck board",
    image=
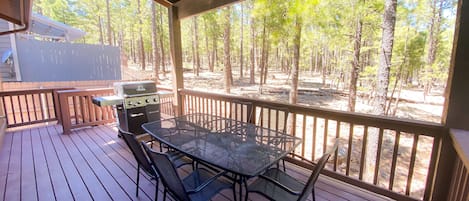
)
(13, 183)
(43, 182)
(40, 163)
(4, 163)
(28, 175)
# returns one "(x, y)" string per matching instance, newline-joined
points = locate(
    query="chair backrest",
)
(315, 174)
(168, 173)
(137, 151)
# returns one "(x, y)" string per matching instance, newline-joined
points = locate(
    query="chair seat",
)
(198, 177)
(274, 192)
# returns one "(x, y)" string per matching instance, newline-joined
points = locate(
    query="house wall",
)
(5, 44)
(42, 61)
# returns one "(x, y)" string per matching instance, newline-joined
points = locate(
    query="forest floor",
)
(312, 92)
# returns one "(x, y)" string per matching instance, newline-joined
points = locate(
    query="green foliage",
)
(327, 37)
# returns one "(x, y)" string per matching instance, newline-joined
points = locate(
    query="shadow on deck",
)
(40, 163)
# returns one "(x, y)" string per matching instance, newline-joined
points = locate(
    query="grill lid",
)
(124, 89)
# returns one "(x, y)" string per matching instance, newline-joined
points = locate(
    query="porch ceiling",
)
(187, 8)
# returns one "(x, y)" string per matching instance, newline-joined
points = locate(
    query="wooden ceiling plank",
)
(188, 8)
(164, 3)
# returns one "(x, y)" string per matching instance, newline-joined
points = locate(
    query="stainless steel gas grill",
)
(135, 102)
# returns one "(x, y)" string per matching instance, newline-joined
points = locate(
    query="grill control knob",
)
(148, 100)
(155, 99)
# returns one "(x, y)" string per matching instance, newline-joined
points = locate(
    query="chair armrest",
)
(206, 183)
(286, 188)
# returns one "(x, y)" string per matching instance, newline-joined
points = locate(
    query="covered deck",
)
(40, 163)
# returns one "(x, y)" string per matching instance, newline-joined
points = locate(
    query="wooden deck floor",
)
(94, 164)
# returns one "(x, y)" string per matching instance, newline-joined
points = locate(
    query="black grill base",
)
(131, 120)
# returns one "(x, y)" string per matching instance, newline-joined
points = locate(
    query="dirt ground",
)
(314, 93)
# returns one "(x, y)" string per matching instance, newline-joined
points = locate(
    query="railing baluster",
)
(362, 157)
(463, 190)
(92, 112)
(34, 106)
(337, 136)
(76, 110)
(42, 106)
(5, 109)
(313, 151)
(349, 151)
(394, 160)
(304, 137)
(21, 108)
(13, 110)
(412, 164)
(269, 119)
(378, 156)
(28, 111)
(49, 114)
(326, 133)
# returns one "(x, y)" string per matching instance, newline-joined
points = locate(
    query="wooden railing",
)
(403, 161)
(459, 185)
(166, 104)
(77, 110)
(459, 189)
(25, 107)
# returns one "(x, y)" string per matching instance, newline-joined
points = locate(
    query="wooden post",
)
(64, 113)
(456, 110)
(176, 57)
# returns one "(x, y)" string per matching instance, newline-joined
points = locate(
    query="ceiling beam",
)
(164, 3)
(187, 8)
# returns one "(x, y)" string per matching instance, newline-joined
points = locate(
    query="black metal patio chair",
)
(276, 185)
(199, 185)
(144, 163)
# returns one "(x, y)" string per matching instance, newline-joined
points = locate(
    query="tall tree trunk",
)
(241, 58)
(324, 66)
(160, 28)
(100, 27)
(226, 47)
(154, 42)
(355, 66)
(206, 45)
(266, 62)
(293, 99)
(196, 46)
(262, 62)
(379, 106)
(433, 40)
(108, 16)
(214, 54)
(253, 53)
(142, 48)
(399, 75)
(389, 22)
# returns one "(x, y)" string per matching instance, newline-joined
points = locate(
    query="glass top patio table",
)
(238, 147)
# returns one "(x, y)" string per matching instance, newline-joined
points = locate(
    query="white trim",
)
(16, 62)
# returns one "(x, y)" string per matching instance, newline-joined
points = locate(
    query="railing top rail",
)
(74, 92)
(30, 91)
(392, 123)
